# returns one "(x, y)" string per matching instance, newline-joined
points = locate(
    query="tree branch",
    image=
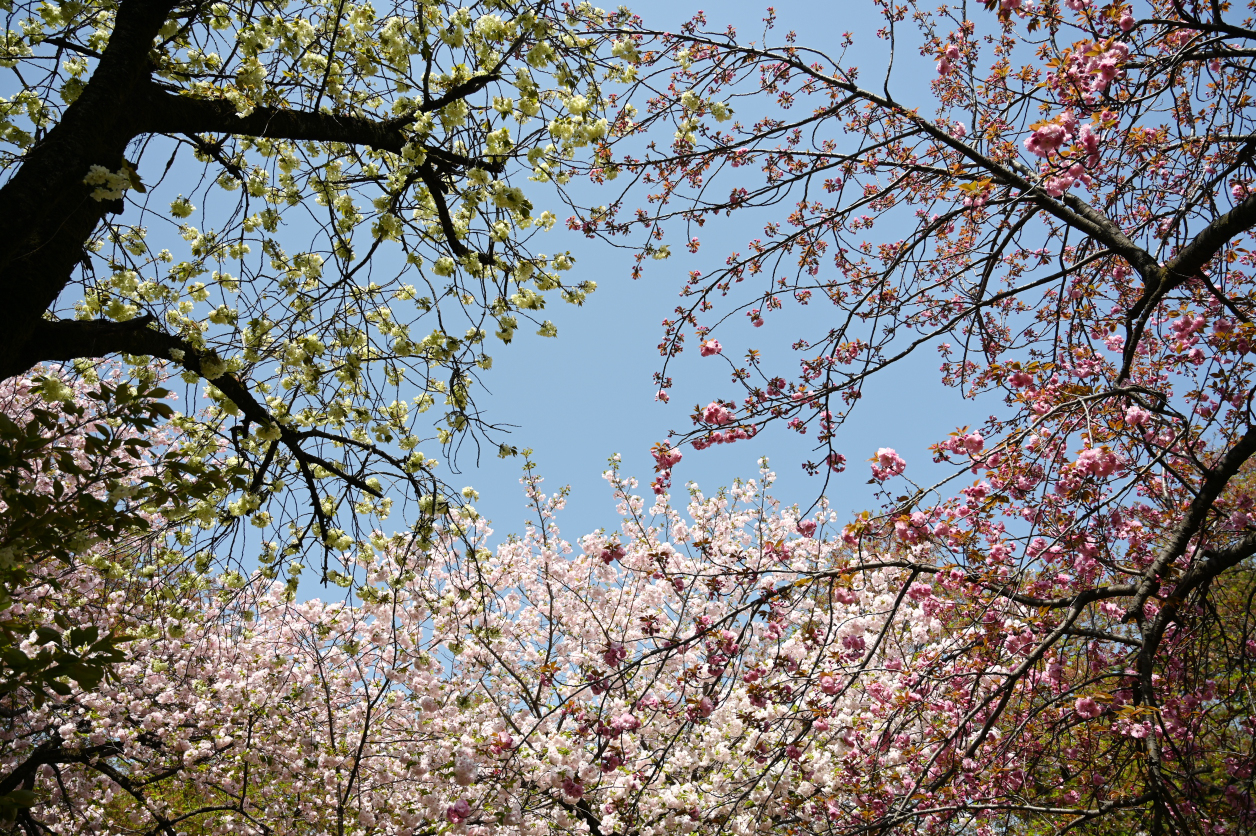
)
(66, 340)
(1212, 487)
(168, 113)
(34, 192)
(461, 91)
(1191, 259)
(46, 209)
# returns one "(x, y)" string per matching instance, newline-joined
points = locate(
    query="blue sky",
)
(587, 394)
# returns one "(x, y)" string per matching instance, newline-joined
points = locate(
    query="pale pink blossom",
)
(626, 722)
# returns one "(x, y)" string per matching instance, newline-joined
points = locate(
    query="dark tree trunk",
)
(46, 209)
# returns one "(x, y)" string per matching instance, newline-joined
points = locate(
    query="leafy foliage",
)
(316, 212)
(86, 474)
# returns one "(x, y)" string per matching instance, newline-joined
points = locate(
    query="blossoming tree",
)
(84, 471)
(1064, 643)
(314, 208)
(734, 668)
(1057, 196)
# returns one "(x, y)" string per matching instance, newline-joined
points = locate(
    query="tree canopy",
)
(316, 209)
(1065, 215)
(1054, 636)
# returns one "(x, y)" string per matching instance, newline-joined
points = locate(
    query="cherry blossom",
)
(887, 463)
(1079, 256)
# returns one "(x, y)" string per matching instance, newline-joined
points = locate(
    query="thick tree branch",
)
(436, 188)
(1201, 573)
(169, 113)
(70, 339)
(1191, 259)
(34, 192)
(1188, 263)
(1218, 477)
(66, 340)
(48, 212)
(461, 91)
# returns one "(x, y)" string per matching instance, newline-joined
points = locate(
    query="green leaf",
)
(18, 799)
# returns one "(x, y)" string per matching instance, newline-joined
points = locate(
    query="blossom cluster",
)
(502, 689)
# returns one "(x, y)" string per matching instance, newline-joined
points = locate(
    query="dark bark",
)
(49, 216)
(46, 209)
(161, 111)
(67, 340)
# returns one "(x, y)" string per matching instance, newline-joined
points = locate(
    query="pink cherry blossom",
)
(458, 812)
(1019, 379)
(1099, 462)
(1047, 139)
(715, 413)
(1136, 416)
(667, 457)
(887, 463)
